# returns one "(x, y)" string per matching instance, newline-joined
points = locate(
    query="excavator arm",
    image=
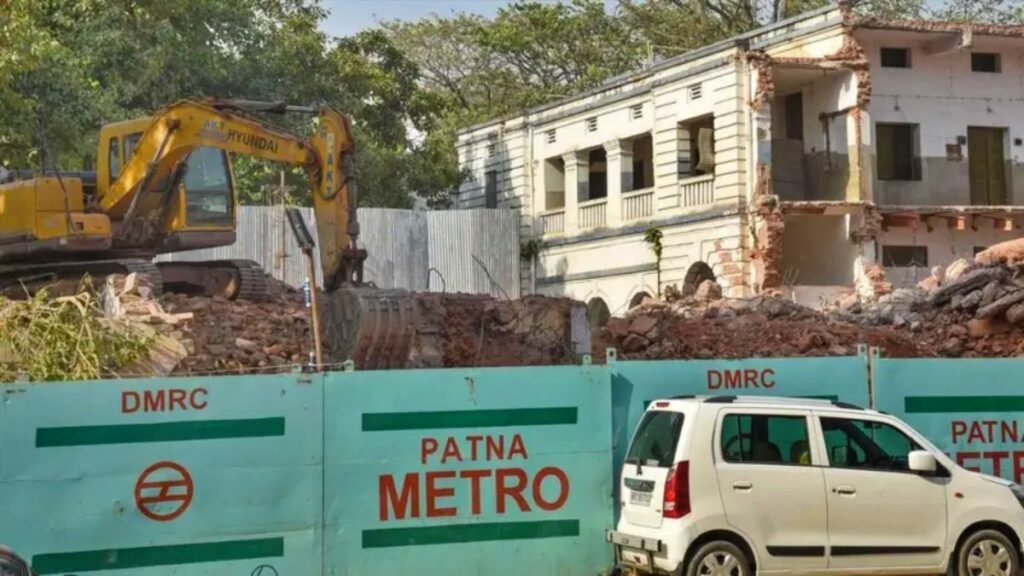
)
(138, 198)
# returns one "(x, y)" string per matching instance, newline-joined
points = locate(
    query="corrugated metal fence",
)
(472, 251)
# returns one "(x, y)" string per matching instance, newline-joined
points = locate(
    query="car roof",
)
(769, 402)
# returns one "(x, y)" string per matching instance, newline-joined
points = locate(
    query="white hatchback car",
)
(734, 486)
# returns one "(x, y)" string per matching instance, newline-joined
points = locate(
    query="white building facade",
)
(781, 160)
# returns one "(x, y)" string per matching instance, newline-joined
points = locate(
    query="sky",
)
(350, 16)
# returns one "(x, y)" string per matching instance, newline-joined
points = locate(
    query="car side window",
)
(765, 439)
(866, 444)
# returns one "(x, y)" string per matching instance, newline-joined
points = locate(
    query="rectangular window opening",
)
(491, 190)
(895, 58)
(905, 256)
(985, 62)
(794, 104)
(898, 152)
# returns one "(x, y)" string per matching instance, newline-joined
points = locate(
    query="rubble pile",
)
(531, 331)
(968, 309)
(199, 335)
(766, 326)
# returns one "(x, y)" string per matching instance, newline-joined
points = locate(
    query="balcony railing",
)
(592, 213)
(553, 221)
(697, 191)
(638, 205)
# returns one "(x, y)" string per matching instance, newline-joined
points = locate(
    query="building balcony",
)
(697, 191)
(593, 214)
(638, 205)
(552, 222)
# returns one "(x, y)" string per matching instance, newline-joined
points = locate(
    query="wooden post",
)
(314, 312)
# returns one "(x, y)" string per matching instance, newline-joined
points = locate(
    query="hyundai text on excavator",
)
(165, 184)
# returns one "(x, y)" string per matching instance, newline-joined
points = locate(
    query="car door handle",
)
(844, 490)
(742, 485)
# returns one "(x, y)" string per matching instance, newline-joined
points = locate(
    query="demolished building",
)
(797, 158)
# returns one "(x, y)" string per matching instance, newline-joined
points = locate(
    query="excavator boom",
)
(140, 194)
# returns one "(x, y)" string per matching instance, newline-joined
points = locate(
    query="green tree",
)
(983, 11)
(671, 27)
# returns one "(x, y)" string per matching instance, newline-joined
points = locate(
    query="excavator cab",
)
(201, 213)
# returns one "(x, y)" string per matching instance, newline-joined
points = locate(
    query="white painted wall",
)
(683, 245)
(943, 96)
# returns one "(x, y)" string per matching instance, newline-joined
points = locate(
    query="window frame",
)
(673, 452)
(941, 471)
(229, 217)
(130, 147)
(997, 60)
(888, 248)
(813, 448)
(490, 199)
(915, 152)
(908, 62)
(114, 154)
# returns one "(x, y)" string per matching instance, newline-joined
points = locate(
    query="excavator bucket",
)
(392, 329)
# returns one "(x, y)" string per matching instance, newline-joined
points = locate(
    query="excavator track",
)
(252, 281)
(19, 280)
(149, 269)
(230, 279)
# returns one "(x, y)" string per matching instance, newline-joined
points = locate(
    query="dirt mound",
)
(759, 327)
(241, 337)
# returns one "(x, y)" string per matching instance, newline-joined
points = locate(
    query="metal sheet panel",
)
(971, 409)
(204, 476)
(452, 248)
(475, 251)
(468, 472)
(259, 236)
(396, 241)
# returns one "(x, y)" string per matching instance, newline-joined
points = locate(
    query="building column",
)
(761, 119)
(620, 178)
(577, 186)
(858, 130)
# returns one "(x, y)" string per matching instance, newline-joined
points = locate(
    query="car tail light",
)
(677, 492)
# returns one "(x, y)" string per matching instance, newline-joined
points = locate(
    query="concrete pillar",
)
(763, 149)
(858, 129)
(620, 178)
(577, 185)
(684, 157)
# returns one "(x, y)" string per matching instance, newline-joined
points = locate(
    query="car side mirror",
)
(922, 461)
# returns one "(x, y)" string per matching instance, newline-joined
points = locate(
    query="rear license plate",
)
(635, 557)
(640, 498)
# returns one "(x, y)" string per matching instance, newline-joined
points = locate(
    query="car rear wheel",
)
(719, 558)
(987, 553)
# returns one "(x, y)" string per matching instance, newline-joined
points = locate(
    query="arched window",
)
(597, 313)
(697, 273)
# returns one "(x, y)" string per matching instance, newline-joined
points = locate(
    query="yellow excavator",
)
(165, 184)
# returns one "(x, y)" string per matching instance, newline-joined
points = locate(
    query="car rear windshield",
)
(654, 443)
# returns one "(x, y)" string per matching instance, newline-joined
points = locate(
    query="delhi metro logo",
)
(164, 491)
